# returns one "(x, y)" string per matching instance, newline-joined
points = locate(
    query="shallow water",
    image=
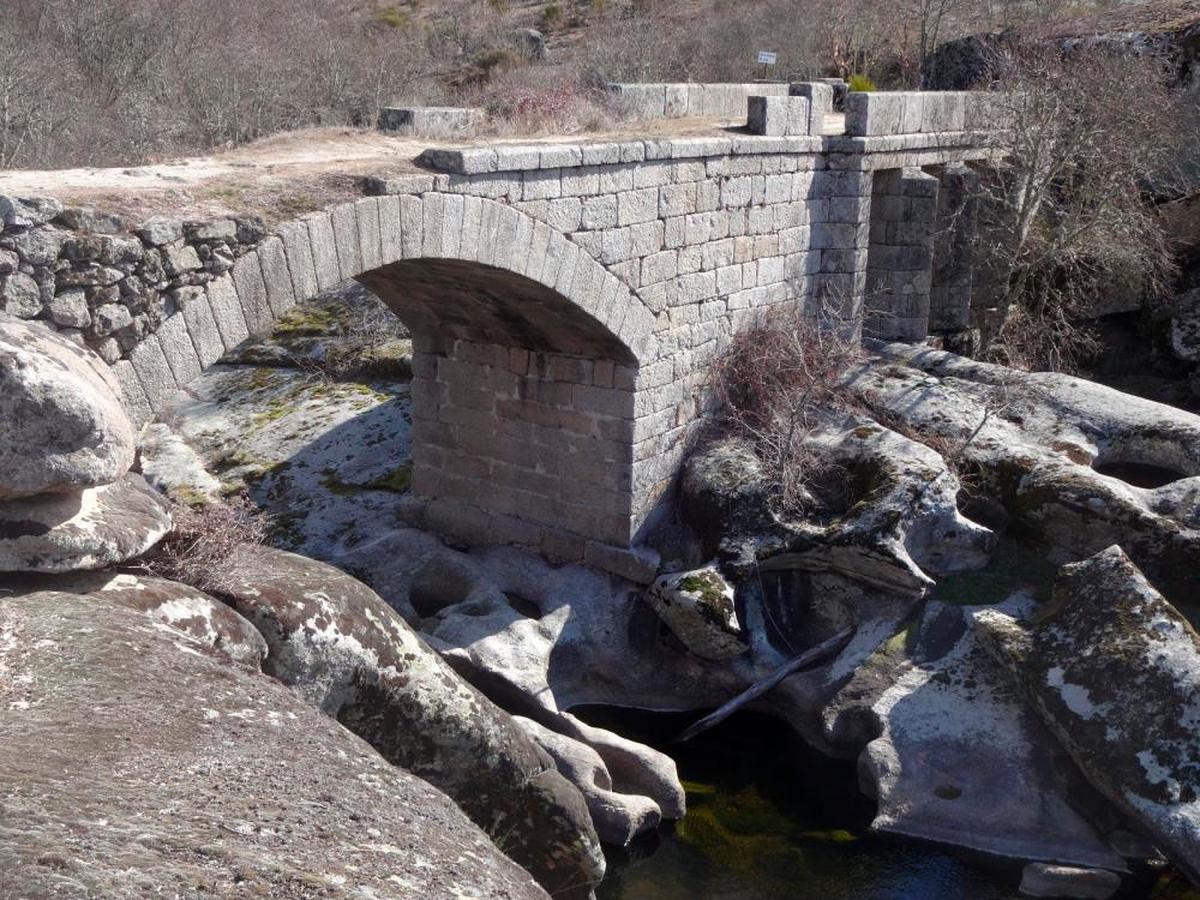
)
(770, 819)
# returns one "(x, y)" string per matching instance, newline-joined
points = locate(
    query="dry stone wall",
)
(565, 300)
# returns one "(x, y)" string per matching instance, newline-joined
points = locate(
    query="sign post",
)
(767, 59)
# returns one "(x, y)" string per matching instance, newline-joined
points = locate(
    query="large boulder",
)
(179, 606)
(970, 62)
(1114, 671)
(1076, 463)
(541, 639)
(883, 508)
(349, 654)
(954, 753)
(64, 425)
(88, 529)
(138, 762)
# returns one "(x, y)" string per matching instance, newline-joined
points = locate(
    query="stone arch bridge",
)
(564, 298)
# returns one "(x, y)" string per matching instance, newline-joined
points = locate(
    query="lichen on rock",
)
(1114, 671)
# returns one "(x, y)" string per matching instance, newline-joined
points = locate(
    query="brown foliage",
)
(777, 382)
(1066, 217)
(203, 540)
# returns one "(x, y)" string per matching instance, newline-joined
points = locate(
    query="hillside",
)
(136, 81)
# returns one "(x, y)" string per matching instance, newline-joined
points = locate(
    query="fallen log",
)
(823, 651)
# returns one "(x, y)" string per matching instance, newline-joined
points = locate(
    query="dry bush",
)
(203, 540)
(162, 78)
(538, 101)
(776, 383)
(375, 344)
(1065, 217)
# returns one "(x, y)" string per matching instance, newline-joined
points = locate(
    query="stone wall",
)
(104, 281)
(922, 112)
(541, 440)
(681, 99)
(904, 208)
(954, 248)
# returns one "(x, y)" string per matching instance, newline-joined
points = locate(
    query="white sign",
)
(767, 59)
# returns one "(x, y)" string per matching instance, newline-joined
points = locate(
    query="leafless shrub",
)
(203, 539)
(777, 382)
(376, 345)
(534, 101)
(1065, 217)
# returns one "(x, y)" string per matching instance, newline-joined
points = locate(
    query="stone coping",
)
(529, 157)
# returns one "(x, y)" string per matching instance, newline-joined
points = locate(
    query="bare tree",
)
(1064, 217)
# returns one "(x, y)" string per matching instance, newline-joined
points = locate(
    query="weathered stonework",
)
(904, 206)
(565, 299)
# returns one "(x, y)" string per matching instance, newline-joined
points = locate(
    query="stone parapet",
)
(682, 100)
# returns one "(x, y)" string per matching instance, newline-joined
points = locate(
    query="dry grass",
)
(125, 81)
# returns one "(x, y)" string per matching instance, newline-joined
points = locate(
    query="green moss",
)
(830, 836)
(1014, 566)
(188, 496)
(261, 379)
(275, 411)
(314, 321)
(699, 789)
(706, 584)
(335, 485)
(901, 642)
(398, 480)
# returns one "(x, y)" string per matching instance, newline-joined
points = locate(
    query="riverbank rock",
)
(88, 529)
(1114, 671)
(64, 425)
(173, 468)
(1080, 465)
(698, 607)
(883, 509)
(349, 654)
(1042, 880)
(1185, 327)
(540, 639)
(618, 818)
(959, 758)
(138, 762)
(179, 606)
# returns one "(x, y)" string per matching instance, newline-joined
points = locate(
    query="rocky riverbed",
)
(1012, 724)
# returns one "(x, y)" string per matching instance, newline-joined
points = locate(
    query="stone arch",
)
(526, 353)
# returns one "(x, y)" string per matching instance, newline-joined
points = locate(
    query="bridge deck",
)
(290, 173)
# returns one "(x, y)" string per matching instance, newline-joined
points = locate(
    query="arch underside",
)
(522, 406)
(476, 302)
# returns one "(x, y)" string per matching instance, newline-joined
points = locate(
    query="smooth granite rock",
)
(698, 607)
(138, 762)
(64, 424)
(618, 817)
(180, 606)
(88, 529)
(343, 649)
(1114, 671)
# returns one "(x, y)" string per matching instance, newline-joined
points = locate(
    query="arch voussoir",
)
(526, 353)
